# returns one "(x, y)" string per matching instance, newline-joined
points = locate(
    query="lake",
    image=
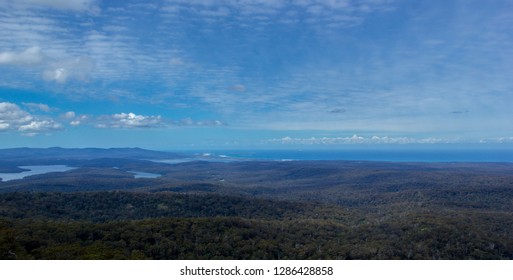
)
(34, 170)
(138, 174)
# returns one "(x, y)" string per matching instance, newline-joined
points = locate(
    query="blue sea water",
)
(392, 155)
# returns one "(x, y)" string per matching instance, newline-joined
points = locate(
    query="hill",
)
(254, 209)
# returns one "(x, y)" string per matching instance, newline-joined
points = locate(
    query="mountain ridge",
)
(83, 153)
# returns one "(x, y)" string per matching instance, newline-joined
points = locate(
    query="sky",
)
(241, 74)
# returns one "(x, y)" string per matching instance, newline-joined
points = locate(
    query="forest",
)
(257, 210)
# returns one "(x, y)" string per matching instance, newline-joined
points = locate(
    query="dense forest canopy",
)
(258, 210)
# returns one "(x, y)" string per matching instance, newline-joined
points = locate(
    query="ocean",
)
(389, 155)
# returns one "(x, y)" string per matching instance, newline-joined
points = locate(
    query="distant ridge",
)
(83, 153)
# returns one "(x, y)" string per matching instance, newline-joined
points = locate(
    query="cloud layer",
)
(71, 5)
(356, 139)
(30, 56)
(373, 67)
(129, 120)
(13, 118)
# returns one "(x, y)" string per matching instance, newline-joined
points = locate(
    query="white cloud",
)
(57, 69)
(39, 126)
(75, 123)
(356, 139)
(496, 140)
(73, 119)
(69, 115)
(12, 118)
(129, 120)
(30, 56)
(37, 106)
(4, 126)
(76, 69)
(210, 123)
(190, 122)
(59, 75)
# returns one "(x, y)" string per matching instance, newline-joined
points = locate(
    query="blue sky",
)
(232, 74)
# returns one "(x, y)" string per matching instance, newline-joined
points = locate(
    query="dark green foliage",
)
(108, 206)
(413, 237)
(260, 210)
(133, 226)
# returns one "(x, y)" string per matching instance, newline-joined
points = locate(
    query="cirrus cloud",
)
(29, 56)
(62, 71)
(56, 69)
(72, 5)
